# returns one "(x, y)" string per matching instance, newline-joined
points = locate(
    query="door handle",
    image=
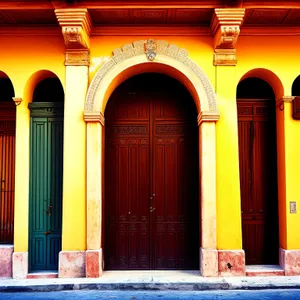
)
(49, 210)
(47, 232)
(152, 209)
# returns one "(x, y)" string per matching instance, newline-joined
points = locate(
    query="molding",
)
(270, 31)
(77, 58)
(94, 116)
(150, 31)
(76, 27)
(17, 100)
(208, 116)
(136, 49)
(288, 99)
(225, 57)
(45, 31)
(225, 28)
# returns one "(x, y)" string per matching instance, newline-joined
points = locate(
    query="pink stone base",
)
(20, 265)
(6, 252)
(71, 264)
(94, 263)
(290, 261)
(208, 263)
(231, 262)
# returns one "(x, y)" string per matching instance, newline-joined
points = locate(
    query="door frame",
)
(105, 81)
(49, 110)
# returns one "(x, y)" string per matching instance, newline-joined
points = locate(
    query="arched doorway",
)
(7, 159)
(151, 176)
(46, 169)
(296, 87)
(258, 170)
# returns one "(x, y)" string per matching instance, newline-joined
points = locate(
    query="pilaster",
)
(76, 27)
(225, 27)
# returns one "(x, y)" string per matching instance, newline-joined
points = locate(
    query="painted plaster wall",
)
(23, 56)
(280, 61)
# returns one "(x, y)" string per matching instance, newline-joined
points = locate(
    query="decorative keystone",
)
(76, 27)
(225, 27)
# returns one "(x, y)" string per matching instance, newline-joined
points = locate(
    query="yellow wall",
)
(23, 56)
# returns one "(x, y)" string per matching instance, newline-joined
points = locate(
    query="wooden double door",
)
(151, 176)
(258, 180)
(45, 194)
(7, 170)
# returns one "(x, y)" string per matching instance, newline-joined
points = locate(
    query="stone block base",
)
(94, 263)
(6, 252)
(231, 262)
(71, 264)
(290, 261)
(208, 263)
(20, 265)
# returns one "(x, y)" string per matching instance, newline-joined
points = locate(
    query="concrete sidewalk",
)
(150, 280)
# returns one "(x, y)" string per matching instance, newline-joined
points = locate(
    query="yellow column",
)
(229, 231)
(76, 27)
(20, 255)
(289, 191)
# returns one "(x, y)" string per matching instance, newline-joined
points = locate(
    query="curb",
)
(53, 287)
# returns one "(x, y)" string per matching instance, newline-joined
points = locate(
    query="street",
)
(287, 294)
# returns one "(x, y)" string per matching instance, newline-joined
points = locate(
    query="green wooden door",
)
(45, 195)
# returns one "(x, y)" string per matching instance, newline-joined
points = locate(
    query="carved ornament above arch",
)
(152, 51)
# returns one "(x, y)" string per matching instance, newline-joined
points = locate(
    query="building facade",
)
(149, 136)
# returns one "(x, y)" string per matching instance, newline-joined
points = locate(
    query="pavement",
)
(150, 281)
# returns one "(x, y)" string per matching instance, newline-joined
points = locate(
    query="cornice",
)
(270, 31)
(25, 31)
(153, 30)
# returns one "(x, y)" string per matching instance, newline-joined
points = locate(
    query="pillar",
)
(208, 195)
(76, 27)
(20, 255)
(94, 254)
(289, 191)
(231, 258)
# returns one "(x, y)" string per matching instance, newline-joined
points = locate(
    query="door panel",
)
(45, 201)
(7, 171)
(151, 177)
(258, 180)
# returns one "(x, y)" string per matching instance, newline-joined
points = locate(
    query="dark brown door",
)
(258, 180)
(151, 176)
(7, 170)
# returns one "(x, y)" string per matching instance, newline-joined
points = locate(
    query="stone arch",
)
(169, 59)
(133, 59)
(270, 77)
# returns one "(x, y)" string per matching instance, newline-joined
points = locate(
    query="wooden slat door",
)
(45, 195)
(7, 171)
(258, 176)
(151, 178)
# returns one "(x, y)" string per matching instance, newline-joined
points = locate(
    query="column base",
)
(94, 263)
(71, 264)
(6, 252)
(208, 262)
(289, 260)
(231, 262)
(20, 265)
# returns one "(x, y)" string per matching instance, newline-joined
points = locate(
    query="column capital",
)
(76, 27)
(208, 116)
(225, 28)
(287, 99)
(17, 100)
(94, 116)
